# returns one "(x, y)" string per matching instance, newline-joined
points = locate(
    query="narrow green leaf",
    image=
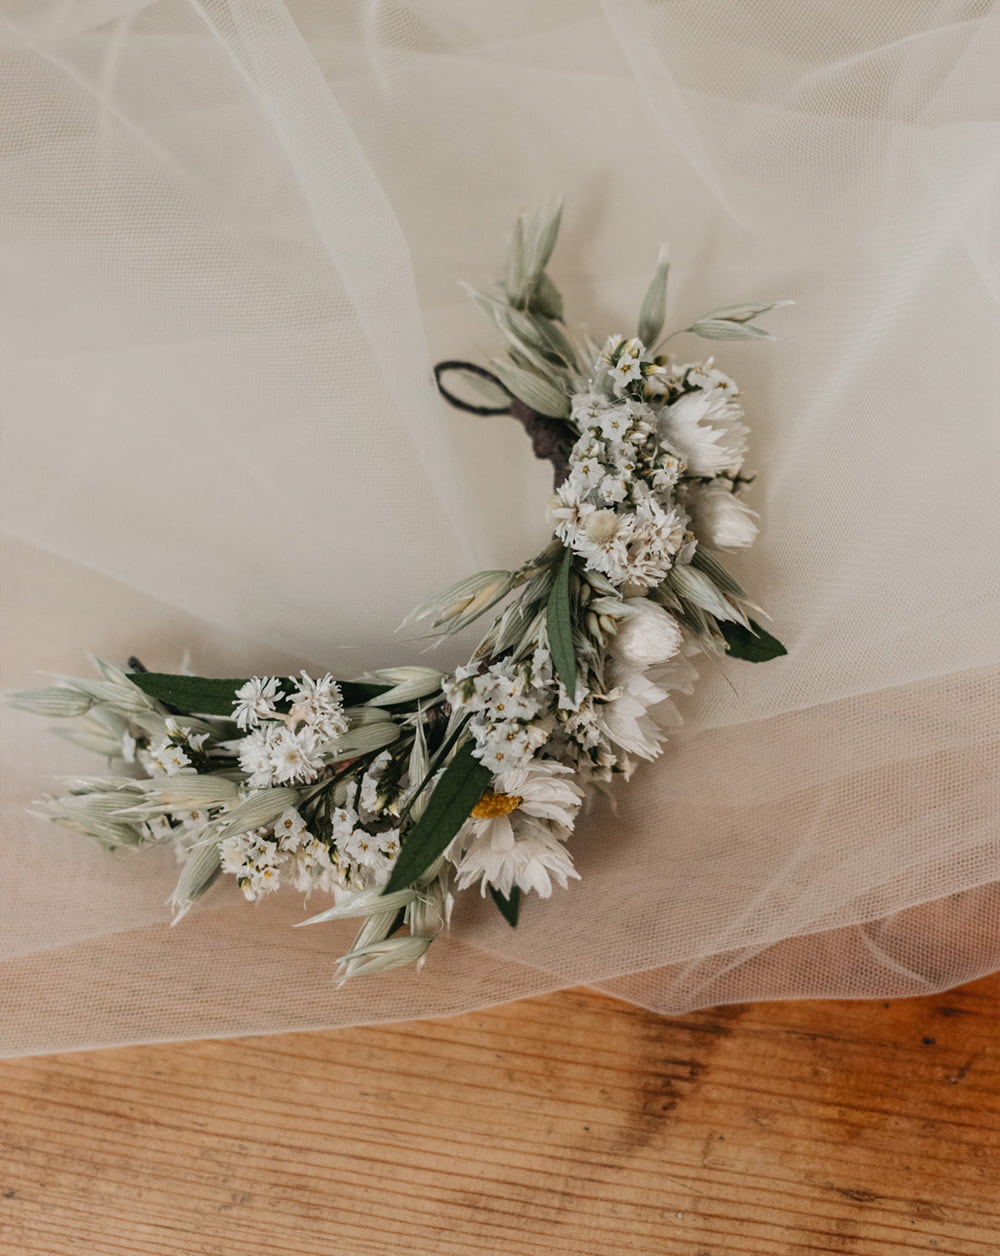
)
(756, 646)
(189, 693)
(509, 908)
(462, 784)
(654, 305)
(203, 695)
(559, 626)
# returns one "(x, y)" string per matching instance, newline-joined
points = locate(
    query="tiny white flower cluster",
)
(264, 858)
(648, 433)
(287, 747)
(169, 755)
(287, 853)
(510, 706)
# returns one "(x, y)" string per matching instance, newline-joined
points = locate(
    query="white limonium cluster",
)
(654, 438)
(288, 853)
(390, 791)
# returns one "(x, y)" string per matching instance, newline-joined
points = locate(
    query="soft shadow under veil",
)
(231, 238)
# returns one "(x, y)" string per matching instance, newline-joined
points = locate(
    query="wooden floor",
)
(569, 1124)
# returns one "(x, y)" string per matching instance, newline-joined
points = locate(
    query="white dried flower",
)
(623, 717)
(318, 704)
(164, 758)
(531, 861)
(290, 830)
(255, 757)
(295, 755)
(718, 517)
(705, 428)
(256, 701)
(647, 635)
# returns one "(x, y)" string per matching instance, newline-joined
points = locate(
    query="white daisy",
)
(530, 862)
(535, 793)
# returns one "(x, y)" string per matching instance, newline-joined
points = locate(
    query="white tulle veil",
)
(230, 240)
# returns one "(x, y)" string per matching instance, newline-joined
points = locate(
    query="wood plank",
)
(564, 1125)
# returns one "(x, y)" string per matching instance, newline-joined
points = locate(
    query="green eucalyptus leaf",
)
(460, 787)
(753, 646)
(509, 908)
(559, 626)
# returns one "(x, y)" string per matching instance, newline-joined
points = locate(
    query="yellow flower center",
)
(491, 805)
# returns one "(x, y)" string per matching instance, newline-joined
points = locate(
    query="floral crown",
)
(396, 789)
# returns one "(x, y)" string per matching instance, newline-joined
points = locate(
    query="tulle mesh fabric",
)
(230, 238)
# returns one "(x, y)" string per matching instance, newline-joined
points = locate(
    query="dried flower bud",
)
(647, 636)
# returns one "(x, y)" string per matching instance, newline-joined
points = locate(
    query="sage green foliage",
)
(543, 370)
(734, 322)
(201, 870)
(654, 307)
